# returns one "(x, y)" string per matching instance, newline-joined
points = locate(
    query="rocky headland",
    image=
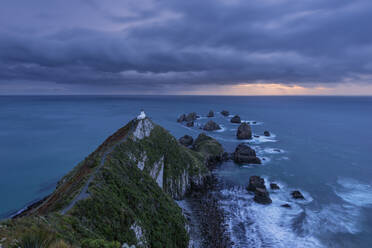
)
(123, 194)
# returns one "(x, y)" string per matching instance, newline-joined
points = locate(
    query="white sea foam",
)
(261, 139)
(223, 129)
(283, 158)
(203, 118)
(264, 160)
(273, 150)
(354, 192)
(254, 225)
(268, 150)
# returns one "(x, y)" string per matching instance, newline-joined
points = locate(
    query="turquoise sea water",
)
(324, 143)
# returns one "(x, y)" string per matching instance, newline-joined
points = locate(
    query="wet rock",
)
(245, 155)
(256, 136)
(244, 131)
(274, 186)
(211, 126)
(210, 114)
(267, 133)
(181, 118)
(286, 205)
(262, 196)
(191, 117)
(190, 124)
(256, 182)
(186, 140)
(225, 113)
(297, 195)
(236, 119)
(257, 185)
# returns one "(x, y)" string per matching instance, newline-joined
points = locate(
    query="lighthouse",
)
(142, 115)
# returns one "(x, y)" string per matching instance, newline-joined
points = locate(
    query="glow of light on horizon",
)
(282, 89)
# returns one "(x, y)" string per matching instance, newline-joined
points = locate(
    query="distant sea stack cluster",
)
(243, 154)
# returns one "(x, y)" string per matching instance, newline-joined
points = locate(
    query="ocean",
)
(319, 145)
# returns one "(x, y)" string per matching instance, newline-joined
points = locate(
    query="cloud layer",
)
(157, 46)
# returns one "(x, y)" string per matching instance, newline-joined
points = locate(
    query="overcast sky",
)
(185, 46)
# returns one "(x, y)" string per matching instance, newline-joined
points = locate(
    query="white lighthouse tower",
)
(142, 115)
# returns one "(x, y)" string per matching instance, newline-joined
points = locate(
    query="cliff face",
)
(123, 192)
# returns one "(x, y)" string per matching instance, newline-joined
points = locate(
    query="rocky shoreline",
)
(210, 218)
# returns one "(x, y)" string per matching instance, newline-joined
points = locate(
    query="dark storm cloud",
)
(147, 44)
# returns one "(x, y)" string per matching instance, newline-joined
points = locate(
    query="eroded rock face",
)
(262, 196)
(157, 172)
(244, 131)
(143, 129)
(257, 185)
(210, 114)
(236, 119)
(225, 113)
(211, 126)
(186, 140)
(255, 182)
(245, 155)
(140, 236)
(297, 195)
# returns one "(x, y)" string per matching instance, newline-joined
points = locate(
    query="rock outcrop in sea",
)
(245, 155)
(210, 114)
(188, 118)
(211, 126)
(123, 193)
(236, 119)
(257, 186)
(225, 113)
(297, 195)
(244, 131)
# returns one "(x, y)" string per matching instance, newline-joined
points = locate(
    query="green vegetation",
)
(208, 146)
(123, 204)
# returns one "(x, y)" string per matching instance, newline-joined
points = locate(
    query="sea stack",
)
(210, 114)
(211, 126)
(245, 155)
(225, 113)
(235, 119)
(244, 131)
(257, 185)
